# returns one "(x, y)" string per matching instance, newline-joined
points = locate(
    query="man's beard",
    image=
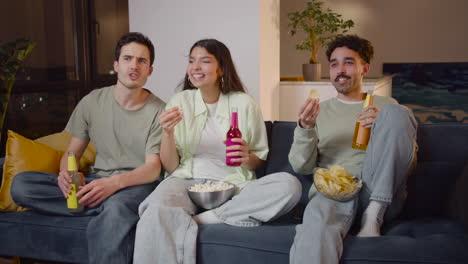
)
(342, 88)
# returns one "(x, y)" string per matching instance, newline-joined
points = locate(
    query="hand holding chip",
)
(170, 118)
(309, 110)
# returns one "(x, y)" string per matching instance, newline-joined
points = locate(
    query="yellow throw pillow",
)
(23, 154)
(60, 141)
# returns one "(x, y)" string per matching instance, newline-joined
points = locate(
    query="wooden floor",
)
(4, 260)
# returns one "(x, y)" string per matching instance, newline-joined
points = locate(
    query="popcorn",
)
(208, 186)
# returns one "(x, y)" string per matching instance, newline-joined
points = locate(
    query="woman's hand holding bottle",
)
(240, 152)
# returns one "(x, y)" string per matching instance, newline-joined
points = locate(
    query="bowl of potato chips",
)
(335, 183)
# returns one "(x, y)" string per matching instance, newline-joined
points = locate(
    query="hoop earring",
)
(222, 82)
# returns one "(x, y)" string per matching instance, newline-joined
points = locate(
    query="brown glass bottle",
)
(362, 134)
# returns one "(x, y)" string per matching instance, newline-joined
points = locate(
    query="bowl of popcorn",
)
(209, 194)
(335, 183)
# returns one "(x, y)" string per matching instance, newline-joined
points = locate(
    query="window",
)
(74, 54)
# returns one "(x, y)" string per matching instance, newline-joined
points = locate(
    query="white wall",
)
(269, 67)
(174, 26)
(400, 30)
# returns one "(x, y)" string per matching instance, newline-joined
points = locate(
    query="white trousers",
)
(167, 234)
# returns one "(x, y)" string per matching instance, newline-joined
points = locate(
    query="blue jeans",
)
(110, 233)
(390, 156)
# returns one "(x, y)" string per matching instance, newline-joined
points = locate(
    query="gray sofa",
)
(431, 229)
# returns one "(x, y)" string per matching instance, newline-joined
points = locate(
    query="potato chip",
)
(336, 183)
(314, 94)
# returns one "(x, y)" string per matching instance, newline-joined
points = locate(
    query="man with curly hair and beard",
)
(323, 137)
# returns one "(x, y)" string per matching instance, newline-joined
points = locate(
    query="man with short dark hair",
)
(324, 137)
(122, 122)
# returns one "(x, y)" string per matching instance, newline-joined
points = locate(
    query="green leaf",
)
(12, 55)
(320, 25)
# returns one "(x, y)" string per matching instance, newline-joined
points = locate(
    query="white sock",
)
(207, 217)
(372, 219)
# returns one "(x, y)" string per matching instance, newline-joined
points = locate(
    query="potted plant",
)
(12, 55)
(320, 27)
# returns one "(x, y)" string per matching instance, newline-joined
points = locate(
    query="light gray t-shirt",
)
(122, 137)
(329, 143)
(335, 129)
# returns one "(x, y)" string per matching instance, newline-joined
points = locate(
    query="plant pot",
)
(312, 72)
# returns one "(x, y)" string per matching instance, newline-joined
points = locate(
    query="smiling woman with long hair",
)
(192, 147)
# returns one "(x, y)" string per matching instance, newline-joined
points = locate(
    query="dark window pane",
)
(50, 24)
(111, 22)
(38, 114)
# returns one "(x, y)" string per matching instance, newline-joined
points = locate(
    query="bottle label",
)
(229, 161)
(363, 135)
(72, 166)
(72, 201)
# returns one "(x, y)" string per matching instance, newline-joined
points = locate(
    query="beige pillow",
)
(60, 141)
(23, 154)
(42, 154)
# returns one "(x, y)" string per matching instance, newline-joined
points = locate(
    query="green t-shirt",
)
(122, 137)
(329, 143)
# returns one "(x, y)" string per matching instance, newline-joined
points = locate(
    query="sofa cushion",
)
(31, 235)
(260, 172)
(282, 134)
(23, 154)
(60, 141)
(421, 241)
(418, 241)
(221, 243)
(31, 155)
(441, 159)
(458, 201)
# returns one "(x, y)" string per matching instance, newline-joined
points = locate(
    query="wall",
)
(400, 30)
(269, 68)
(174, 26)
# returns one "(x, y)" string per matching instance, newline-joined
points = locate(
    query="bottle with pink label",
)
(232, 133)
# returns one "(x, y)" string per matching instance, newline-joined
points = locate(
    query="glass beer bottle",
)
(232, 133)
(362, 134)
(72, 199)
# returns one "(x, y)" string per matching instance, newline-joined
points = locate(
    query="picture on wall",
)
(436, 92)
